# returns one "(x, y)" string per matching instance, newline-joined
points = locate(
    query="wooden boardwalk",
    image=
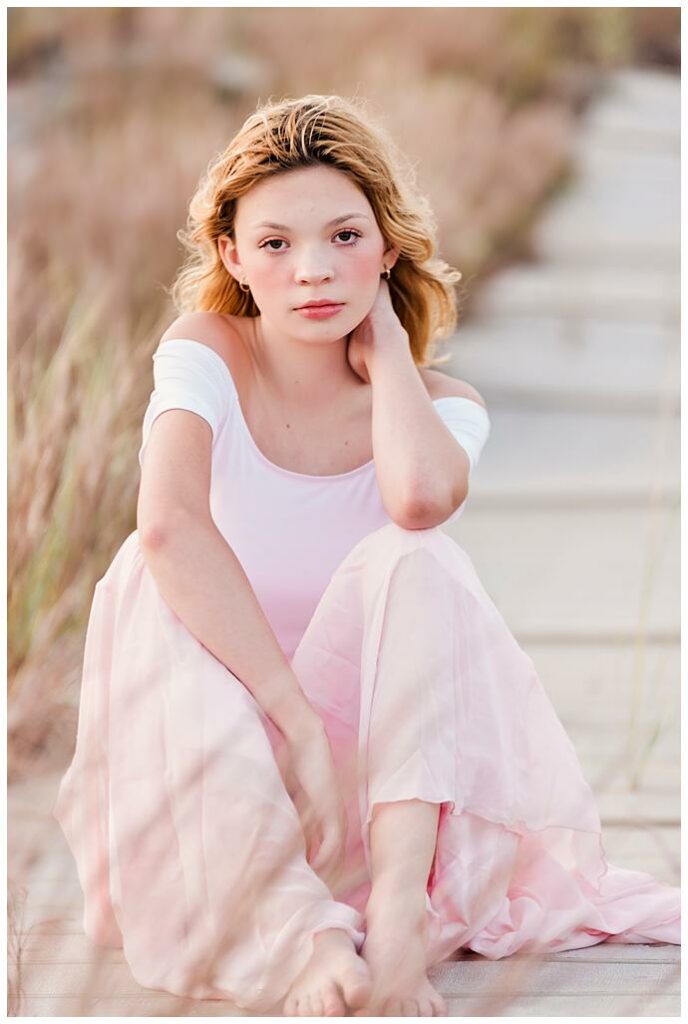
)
(573, 526)
(574, 521)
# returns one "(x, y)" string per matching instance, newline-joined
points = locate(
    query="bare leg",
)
(402, 846)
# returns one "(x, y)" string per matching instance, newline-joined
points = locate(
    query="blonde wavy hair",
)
(291, 133)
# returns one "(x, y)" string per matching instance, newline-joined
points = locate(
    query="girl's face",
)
(304, 235)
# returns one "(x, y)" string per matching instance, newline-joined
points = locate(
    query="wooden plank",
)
(638, 110)
(603, 1005)
(558, 372)
(458, 978)
(57, 948)
(583, 290)
(607, 458)
(598, 575)
(126, 1006)
(504, 983)
(498, 977)
(654, 850)
(74, 947)
(549, 1006)
(61, 948)
(601, 952)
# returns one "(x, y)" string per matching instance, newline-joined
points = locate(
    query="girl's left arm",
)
(422, 472)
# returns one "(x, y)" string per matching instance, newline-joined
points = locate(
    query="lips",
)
(320, 312)
(320, 302)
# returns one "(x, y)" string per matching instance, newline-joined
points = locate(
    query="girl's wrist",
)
(303, 727)
(294, 716)
(392, 347)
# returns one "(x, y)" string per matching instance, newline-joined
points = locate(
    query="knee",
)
(415, 558)
(393, 544)
(395, 538)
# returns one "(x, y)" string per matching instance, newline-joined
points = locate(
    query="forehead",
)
(306, 193)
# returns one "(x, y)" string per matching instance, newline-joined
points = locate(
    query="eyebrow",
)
(332, 223)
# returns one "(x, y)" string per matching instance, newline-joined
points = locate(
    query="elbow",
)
(157, 534)
(423, 514)
(153, 536)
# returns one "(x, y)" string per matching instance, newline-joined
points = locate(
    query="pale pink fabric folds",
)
(181, 826)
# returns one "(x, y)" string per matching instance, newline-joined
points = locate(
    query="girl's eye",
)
(344, 231)
(348, 231)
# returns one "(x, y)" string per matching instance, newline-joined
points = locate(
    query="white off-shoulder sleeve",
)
(470, 424)
(468, 421)
(188, 375)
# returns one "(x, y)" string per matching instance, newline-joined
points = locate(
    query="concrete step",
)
(541, 360)
(578, 575)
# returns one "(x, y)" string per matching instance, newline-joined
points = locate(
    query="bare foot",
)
(395, 950)
(334, 980)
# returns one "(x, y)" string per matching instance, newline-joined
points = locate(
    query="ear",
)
(229, 256)
(390, 256)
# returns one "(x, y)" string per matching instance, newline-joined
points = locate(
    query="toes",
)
(288, 1008)
(317, 1009)
(409, 1008)
(392, 1008)
(333, 1005)
(439, 1006)
(304, 1007)
(357, 989)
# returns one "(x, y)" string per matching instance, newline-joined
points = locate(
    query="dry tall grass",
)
(108, 141)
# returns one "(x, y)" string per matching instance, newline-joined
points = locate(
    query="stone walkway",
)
(573, 526)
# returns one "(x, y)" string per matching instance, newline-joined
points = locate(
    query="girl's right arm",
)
(201, 579)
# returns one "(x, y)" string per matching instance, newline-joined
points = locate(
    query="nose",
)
(310, 273)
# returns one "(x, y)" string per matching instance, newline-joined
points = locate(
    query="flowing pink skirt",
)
(190, 849)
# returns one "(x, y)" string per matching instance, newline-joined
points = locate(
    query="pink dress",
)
(188, 846)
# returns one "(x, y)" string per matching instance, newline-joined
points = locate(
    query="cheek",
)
(363, 283)
(265, 273)
(365, 267)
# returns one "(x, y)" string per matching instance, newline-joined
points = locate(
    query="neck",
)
(301, 374)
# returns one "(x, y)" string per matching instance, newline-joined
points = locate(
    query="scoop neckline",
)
(320, 476)
(249, 435)
(283, 469)
(261, 454)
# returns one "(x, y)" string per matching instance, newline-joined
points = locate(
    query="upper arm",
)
(175, 477)
(464, 412)
(190, 400)
(442, 385)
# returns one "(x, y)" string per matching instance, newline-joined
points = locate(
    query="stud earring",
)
(387, 273)
(247, 287)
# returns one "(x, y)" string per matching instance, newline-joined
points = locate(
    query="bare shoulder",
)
(442, 385)
(219, 331)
